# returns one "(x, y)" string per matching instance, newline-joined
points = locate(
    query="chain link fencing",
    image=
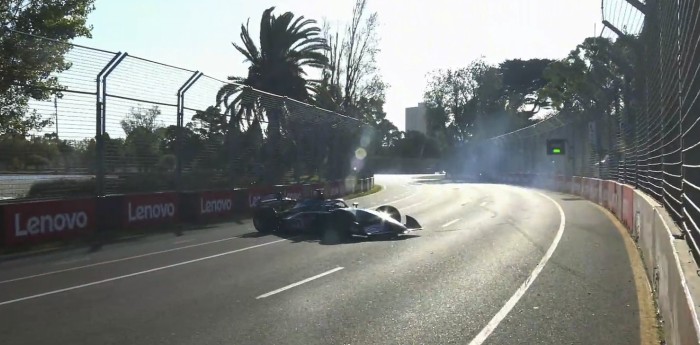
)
(651, 138)
(116, 123)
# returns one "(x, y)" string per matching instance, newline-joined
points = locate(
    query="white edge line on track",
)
(148, 254)
(501, 315)
(115, 260)
(414, 193)
(188, 240)
(136, 273)
(299, 283)
(450, 222)
(414, 205)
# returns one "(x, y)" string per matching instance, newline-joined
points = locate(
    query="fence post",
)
(101, 112)
(681, 88)
(180, 125)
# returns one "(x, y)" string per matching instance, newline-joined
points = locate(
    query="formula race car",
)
(329, 217)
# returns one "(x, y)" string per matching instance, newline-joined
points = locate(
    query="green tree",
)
(520, 82)
(352, 67)
(211, 145)
(370, 107)
(451, 101)
(15, 117)
(140, 117)
(481, 100)
(287, 46)
(30, 64)
(144, 135)
(598, 81)
(416, 145)
(352, 83)
(500, 101)
(588, 79)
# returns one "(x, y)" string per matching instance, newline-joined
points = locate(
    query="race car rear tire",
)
(265, 220)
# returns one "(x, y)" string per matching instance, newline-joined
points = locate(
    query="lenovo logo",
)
(151, 212)
(50, 223)
(215, 206)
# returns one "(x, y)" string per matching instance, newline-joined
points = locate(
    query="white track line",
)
(450, 223)
(414, 205)
(136, 273)
(115, 260)
(184, 241)
(299, 283)
(496, 320)
(395, 201)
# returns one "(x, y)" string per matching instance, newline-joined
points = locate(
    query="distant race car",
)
(329, 216)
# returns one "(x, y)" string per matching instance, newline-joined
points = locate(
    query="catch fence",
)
(114, 123)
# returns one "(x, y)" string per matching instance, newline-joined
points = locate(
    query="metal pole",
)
(99, 124)
(55, 109)
(180, 125)
(104, 90)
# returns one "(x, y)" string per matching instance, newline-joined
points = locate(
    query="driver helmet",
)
(318, 194)
(279, 196)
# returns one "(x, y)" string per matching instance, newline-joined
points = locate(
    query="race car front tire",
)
(337, 227)
(265, 220)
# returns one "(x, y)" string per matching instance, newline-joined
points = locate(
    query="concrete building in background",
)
(416, 119)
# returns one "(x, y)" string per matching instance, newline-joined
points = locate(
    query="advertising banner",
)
(34, 222)
(150, 209)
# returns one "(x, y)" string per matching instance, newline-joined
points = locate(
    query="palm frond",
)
(301, 32)
(224, 93)
(295, 24)
(299, 24)
(251, 52)
(287, 44)
(244, 52)
(267, 22)
(314, 43)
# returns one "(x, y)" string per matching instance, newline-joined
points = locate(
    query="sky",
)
(416, 36)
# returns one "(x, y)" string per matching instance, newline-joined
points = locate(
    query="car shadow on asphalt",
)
(253, 234)
(313, 238)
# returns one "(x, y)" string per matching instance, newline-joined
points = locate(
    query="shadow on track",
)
(327, 240)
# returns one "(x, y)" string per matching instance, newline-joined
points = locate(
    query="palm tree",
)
(276, 65)
(286, 47)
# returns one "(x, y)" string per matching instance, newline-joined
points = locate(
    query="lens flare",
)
(360, 153)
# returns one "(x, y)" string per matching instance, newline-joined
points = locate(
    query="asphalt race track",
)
(495, 265)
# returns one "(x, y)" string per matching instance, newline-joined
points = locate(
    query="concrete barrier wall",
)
(627, 216)
(642, 231)
(671, 283)
(670, 268)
